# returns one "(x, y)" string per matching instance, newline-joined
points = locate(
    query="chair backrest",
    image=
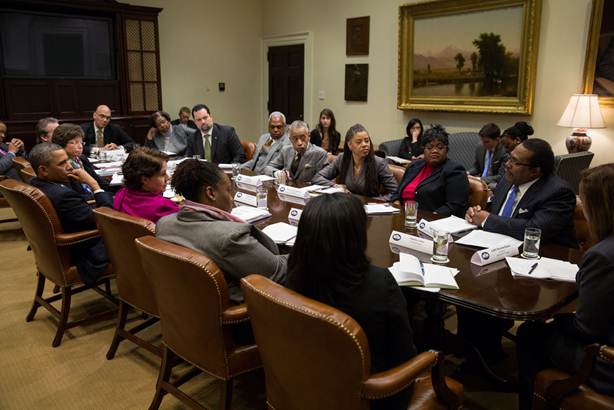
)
(391, 147)
(249, 148)
(314, 356)
(119, 230)
(20, 163)
(462, 148)
(478, 192)
(569, 166)
(397, 172)
(40, 224)
(26, 174)
(191, 294)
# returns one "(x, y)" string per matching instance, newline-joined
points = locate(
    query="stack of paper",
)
(451, 224)
(117, 179)
(225, 166)
(381, 209)
(249, 214)
(409, 271)
(398, 160)
(544, 268)
(483, 239)
(330, 190)
(281, 233)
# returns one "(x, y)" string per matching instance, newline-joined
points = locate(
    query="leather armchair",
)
(397, 171)
(198, 323)
(20, 163)
(315, 356)
(50, 246)
(249, 148)
(119, 230)
(555, 389)
(478, 191)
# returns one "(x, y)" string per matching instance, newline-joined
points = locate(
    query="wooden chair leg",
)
(56, 289)
(107, 286)
(38, 293)
(66, 298)
(226, 394)
(168, 358)
(122, 315)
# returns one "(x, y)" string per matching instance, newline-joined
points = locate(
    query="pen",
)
(422, 267)
(532, 268)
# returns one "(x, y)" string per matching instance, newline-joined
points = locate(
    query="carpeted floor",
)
(76, 375)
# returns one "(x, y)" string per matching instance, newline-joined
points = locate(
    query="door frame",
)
(306, 39)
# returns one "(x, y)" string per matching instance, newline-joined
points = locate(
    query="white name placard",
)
(293, 191)
(404, 240)
(247, 199)
(294, 216)
(249, 183)
(490, 255)
(425, 227)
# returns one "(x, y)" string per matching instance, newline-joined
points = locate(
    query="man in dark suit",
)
(102, 134)
(184, 118)
(530, 196)
(214, 142)
(489, 155)
(8, 151)
(63, 186)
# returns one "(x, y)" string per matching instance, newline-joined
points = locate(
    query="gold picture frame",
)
(600, 39)
(504, 83)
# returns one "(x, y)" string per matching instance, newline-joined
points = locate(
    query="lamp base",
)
(578, 141)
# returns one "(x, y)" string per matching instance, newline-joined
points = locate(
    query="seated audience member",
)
(205, 224)
(8, 151)
(70, 137)
(328, 264)
(184, 119)
(358, 168)
(102, 134)
(301, 160)
(44, 129)
(489, 155)
(214, 142)
(530, 196)
(269, 144)
(561, 343)
(325, 134)
(166, 137)
(437, 183)
(63, 186)
(411, 146)
(145, 180)
(510, 138)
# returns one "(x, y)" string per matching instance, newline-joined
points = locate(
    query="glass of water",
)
(261, 197)
(440, 247)
(530, 248)
(411, 213)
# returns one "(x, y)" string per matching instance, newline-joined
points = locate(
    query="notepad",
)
(281, 233)
(249, 214)
(546, 269)
(409, 271)
(381, 209)
(483, 239)
(330, 190)
(451, 224)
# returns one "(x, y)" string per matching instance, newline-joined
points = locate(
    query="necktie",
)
(509, 204)
(487, 163)
(269, 142)
(99, 138)
(294, 166)
(207, 148)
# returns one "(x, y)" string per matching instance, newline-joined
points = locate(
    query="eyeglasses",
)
(514, 161)
(438, 147)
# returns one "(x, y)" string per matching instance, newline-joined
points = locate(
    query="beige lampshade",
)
(582, 112)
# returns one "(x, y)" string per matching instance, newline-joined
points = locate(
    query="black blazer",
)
(315, 137)
(190, 123)
(496, 163)
(226, 147)
(410, 149)
(445, 191)
(548, 204)
(89, 168)
(112, 134)
(75, 215)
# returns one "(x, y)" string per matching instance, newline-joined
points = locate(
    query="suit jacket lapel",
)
(434, 174)
(528, 196)
(214, 144)
(501, 194)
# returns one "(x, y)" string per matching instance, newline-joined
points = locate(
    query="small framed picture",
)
(357, 36)
(356, 82)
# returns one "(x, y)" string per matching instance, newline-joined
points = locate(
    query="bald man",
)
(101, 133)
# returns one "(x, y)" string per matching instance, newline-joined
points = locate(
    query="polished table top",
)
(490, 289)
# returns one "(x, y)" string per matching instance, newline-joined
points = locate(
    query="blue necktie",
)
(487, 163)
(509, 204)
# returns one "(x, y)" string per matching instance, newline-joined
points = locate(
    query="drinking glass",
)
(261, 197)
(411, 213)
(530, 248)
(281, 177)
(440, 247)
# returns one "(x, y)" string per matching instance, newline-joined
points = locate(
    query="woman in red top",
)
(437, 183)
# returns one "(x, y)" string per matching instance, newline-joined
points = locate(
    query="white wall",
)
(203, 43)
(562, 49)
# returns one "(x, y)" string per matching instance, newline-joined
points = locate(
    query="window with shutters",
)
(142, 63)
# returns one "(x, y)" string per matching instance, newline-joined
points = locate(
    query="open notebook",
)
(249, 214)
(409, 271)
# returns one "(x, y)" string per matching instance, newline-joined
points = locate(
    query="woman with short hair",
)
(166, 137)
(145, 180)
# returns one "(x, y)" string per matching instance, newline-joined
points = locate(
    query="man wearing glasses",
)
(102, 134)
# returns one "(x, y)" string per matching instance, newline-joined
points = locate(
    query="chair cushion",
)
(424, 396)
(584, 398)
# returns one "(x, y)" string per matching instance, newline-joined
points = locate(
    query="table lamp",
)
(582, 112)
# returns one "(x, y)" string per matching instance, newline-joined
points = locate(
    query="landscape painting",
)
(599, 66)
(479, 59)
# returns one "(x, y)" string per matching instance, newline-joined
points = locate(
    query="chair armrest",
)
(389, 382)
(66, 239)
(235, 314)
(607, 352)
(560, 388)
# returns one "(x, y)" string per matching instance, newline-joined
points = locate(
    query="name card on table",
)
(403, 240)
(425, 227)
(247, 199)
(490, 255)
(249, 183)
(293, 191)
(294, 216)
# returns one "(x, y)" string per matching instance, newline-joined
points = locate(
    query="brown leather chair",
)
(196, 317)
(26, 174)
(5, 204)
(119, 230)
(20, 163)
(249, 148)
(478, 192)
(317, 357)
(397, 171)
(50, 246)
(583, 235)
(555, 389)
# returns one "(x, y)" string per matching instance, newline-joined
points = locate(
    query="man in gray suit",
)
(270, 144)
(301, 160)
